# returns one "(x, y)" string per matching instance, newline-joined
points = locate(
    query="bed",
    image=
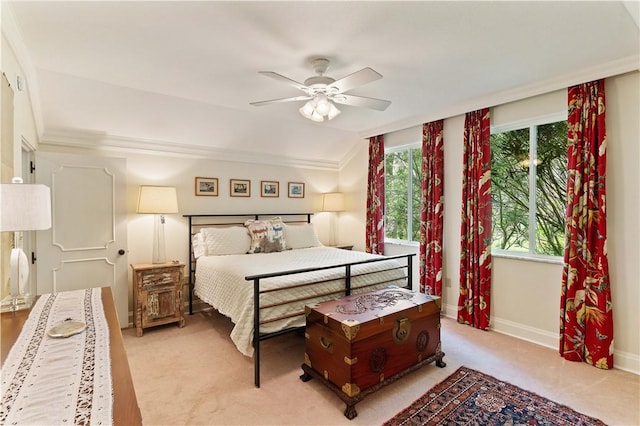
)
(262, 270)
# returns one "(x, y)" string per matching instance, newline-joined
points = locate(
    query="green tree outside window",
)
(537, 154)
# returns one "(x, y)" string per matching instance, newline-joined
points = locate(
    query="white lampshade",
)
(333, 202)
(157, 199)
(24, 207)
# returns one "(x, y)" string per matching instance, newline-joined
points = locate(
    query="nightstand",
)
(157, 294)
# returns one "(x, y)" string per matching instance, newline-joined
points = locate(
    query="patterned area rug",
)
(468, 397)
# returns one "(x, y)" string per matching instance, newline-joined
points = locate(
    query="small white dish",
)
(66, 328)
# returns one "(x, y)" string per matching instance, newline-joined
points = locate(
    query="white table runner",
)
(60, 381)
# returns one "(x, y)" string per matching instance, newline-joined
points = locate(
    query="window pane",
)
(551, 192)
(416, 191)
(510, 190)
(396, 191)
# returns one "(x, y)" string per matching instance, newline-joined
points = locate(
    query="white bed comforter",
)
(220, 282)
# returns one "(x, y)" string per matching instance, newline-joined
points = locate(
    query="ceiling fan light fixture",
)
(307, 109)
(316, 117)
(326, 91)
(320, 108)
(333, 112)
(323, 106)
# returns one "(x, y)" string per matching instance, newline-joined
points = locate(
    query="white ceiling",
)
(179, 76)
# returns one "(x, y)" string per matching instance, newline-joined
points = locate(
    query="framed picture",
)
(239, 188)
(269, 188)
(296, 190)
(207, 186)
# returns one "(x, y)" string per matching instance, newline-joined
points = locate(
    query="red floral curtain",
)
(586, 322)
(432, 208)
(374, 232)
(475, 231)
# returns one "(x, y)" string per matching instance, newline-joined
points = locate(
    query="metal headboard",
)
(199, 221)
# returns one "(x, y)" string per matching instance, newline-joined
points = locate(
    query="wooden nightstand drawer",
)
(159, 278)
(157, 295)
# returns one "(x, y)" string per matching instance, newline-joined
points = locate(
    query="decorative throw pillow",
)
(301, 236)
(267, 236)
(226, 240)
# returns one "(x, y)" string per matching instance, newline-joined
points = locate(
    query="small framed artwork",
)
(240, 188)
(207, 186)
(296, 190)
(269, 188)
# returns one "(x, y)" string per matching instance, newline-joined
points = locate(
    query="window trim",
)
(531, 257)
(532, 124)
(409, 147)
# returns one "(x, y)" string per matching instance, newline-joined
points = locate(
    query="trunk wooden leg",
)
(350, 412)
(305, 377)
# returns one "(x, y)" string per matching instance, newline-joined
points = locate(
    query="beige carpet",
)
(194, 375)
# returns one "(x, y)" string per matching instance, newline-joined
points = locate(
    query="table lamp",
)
(24, 207)
(333, 202)
(157, 200)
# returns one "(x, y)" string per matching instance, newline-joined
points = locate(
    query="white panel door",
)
(86, 245)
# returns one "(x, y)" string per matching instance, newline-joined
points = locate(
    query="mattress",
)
(220, 282)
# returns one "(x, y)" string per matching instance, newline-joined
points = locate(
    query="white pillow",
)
(199, 248)
(226, 240)
(301, 236)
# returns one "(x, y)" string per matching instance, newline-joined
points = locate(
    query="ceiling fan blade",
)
(358, 78)
(284, 79)
(276, 101)
(361, 101)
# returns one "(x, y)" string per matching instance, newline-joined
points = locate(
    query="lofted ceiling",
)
(179, 76)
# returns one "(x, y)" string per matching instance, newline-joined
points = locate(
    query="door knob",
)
(121, 252)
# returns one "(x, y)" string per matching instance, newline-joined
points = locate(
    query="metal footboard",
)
(346, 291)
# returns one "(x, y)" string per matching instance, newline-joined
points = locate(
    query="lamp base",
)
(16, 303)
(159, 248)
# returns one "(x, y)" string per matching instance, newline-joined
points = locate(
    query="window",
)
(537, 153)
(403, 168)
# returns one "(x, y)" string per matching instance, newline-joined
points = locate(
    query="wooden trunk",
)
(359, 341)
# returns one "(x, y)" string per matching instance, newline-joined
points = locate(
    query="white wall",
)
(353, 183)
(526, 294)
(24, 123)
(181, 173)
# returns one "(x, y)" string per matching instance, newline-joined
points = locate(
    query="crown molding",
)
(609, 69)
(346, 159)
(102, 142)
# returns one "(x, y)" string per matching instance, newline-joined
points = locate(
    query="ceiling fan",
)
(322, 91)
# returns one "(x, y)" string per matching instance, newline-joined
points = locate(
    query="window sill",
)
(528, 257)
(402, 243)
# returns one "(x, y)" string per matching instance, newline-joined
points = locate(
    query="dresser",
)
(157, 294)
(125, 403)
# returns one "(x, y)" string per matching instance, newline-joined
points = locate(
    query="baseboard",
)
(622, 360)
(524, 332)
